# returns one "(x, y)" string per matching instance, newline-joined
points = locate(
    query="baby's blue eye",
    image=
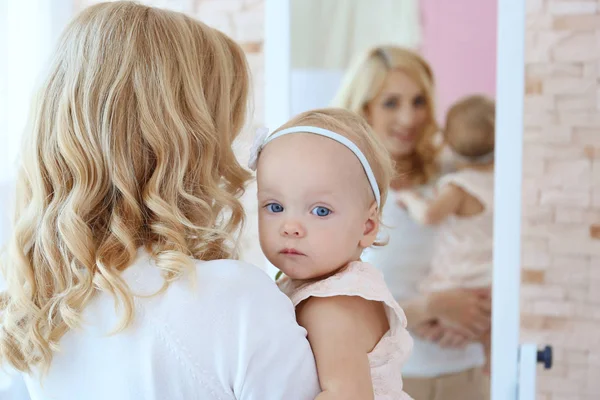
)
(321, 211)
(274, 208)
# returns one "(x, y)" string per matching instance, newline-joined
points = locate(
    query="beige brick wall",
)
(561, 194)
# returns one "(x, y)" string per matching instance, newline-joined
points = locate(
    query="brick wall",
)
(561, 194)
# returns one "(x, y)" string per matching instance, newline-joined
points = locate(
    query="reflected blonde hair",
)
(356, 129)
(470, 126)
(364, 80)
(129, 146)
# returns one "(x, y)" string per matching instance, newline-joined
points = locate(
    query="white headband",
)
(262, 139)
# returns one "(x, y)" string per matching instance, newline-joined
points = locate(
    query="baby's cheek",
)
(332, 246)
(267, 235)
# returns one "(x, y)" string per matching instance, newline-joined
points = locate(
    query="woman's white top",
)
(405, 262)
(228, 333)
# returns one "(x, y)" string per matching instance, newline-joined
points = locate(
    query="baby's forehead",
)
(309, 149)
(311, 178)
(310, 166)
(319, 189)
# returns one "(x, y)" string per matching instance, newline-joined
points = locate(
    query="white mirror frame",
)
(509, 149)
(510, 90)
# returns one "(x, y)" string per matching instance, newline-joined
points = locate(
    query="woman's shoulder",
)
(218, 320)
(221, 297)
(234, 273)
(235, 283)
(211, 287)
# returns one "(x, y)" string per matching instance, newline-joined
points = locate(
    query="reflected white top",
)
(405, 262)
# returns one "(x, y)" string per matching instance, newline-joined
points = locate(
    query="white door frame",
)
(277, 63)
(510, 62)
(509, 147)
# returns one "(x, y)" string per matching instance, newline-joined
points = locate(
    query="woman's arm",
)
(342, 330)
(274, 359)
(444, 336)
(12, 385)
(282, 367)
(417, 310)
(431, 212)
(468, 311)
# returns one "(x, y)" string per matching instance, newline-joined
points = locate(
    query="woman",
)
(121, 283)
(393, 89)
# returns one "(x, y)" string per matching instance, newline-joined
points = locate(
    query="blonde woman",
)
(393, 89)
(121, 283)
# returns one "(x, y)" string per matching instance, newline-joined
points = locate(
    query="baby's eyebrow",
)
(328, 198)
(321, 192)
(268, 195)
(266, 191)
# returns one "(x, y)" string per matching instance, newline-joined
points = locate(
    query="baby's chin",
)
(296, 269)
(298, 272)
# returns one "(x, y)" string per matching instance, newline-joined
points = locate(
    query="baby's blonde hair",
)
(129, 146)
(355, 128)
(364, 81)
(470, 126)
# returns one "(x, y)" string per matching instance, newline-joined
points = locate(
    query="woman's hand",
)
(453, 339)
(467, 311)
(402, 196)
(445, 336)
(430, 330)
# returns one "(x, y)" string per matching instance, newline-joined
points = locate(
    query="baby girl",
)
(322, 179)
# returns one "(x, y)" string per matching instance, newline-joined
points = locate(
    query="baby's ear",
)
(371, 227)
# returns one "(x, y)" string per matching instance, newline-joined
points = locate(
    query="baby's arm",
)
(446, 203)
(342, 330)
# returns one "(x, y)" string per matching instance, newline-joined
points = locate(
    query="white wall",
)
(28, 33)
(313, 88)
(27, 38)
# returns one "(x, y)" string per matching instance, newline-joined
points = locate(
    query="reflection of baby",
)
(464, 205)
(321, 180)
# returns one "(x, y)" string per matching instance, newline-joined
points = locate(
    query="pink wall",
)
(459, 40)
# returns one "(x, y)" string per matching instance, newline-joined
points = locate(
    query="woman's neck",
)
(476, 166)
(408, 170)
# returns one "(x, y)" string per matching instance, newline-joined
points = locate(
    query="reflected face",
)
(398, 113)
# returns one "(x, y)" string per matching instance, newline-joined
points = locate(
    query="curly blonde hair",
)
(128, 147)
(364, 81)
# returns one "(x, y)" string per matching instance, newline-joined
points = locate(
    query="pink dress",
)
(463, 256)
(363, 280)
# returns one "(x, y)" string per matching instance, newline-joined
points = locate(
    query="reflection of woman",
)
(393, 89)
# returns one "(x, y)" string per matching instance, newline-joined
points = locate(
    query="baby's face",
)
(315, 205)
